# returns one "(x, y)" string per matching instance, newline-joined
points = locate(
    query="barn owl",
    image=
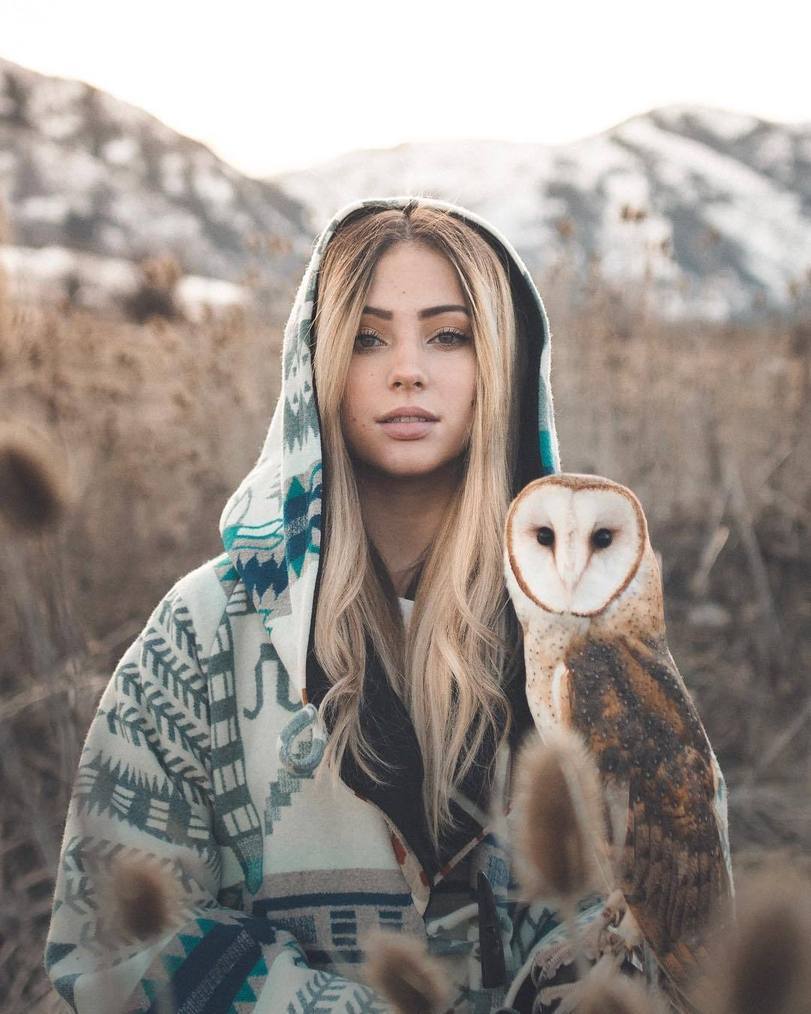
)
(587, 591)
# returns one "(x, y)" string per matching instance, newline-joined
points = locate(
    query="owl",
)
(587, 591)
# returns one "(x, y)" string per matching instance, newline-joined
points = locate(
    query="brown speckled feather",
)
(629, 702)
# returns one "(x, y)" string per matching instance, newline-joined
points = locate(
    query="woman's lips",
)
(413, 430)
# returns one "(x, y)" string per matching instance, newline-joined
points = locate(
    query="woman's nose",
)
(407, 370)
(408, 379)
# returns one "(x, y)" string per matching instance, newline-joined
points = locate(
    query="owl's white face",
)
(573, 543)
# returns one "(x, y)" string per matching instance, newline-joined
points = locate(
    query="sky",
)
(273, 86)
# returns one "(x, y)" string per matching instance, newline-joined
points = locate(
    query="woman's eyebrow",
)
(431, 311)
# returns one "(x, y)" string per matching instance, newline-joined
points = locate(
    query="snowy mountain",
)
(714, 208)
(711, 209)
(82, 171)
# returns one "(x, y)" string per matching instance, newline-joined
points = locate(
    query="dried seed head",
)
(399, 968)
(145, 898)
(34, 491)
(163, 271)
(761, 962)
(558, 810)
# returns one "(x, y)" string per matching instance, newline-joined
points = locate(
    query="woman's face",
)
(414, 350)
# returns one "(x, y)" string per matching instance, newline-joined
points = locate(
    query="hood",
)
(271, 525)
(271, 529)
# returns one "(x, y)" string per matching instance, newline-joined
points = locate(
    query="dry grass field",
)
(154, 425)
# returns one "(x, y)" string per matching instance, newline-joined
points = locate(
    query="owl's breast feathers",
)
(629, 702)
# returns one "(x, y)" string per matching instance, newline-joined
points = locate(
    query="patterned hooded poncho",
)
(202, 753)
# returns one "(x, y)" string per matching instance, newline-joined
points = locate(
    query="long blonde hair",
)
(449, 670)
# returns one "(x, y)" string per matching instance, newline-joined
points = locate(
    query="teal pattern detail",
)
(65, 985)
(323, 991)
(302, 928)
(55, 952)
(302, 518)
(300, 417)
(281, 678)
(226, 572)
(272, 555)
(176, 619)
(280, 794)
(180, 680)
(171, 810)
(236, 821)
(302, 757)
(160, 720)
(283, 698)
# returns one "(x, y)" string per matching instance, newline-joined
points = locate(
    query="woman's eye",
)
(448, 338)
(359, 339)
(458, 337)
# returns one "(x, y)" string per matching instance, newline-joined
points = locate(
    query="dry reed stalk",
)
(560, 827)
(12, 707)
(779, 743)
(399, 967)
(762, 965)
(34, 499)
(605, 991)
(767, 632)
(35, 492)
(5, 308)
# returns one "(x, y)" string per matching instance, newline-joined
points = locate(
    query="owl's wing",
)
(629, 702)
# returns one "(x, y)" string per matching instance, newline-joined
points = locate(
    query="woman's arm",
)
(143, 794)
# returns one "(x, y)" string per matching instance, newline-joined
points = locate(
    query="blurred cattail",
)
(607, 991)
(560, 829)
(143, 898)
(762, 964)
(399, 967)
(34, 491)
(155, 296)
(163, 272)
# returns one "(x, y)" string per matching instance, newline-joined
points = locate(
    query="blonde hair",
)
(450, 670)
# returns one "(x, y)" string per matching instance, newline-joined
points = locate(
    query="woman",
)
(304, 734)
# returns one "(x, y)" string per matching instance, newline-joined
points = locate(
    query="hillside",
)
(712, 207)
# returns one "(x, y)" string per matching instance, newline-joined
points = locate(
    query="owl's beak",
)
(571, 559)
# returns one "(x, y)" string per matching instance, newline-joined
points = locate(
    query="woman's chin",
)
(407, 467)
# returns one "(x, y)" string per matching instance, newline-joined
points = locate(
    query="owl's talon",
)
(615, 906)
(620, 932)
(567, 993)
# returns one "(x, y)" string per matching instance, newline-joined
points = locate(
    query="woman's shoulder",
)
(203, 594)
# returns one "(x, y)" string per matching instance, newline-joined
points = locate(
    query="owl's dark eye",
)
(602, 538)
(546, 536)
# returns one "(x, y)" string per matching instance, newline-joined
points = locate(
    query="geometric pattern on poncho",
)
(236, 820)
(268, 556)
